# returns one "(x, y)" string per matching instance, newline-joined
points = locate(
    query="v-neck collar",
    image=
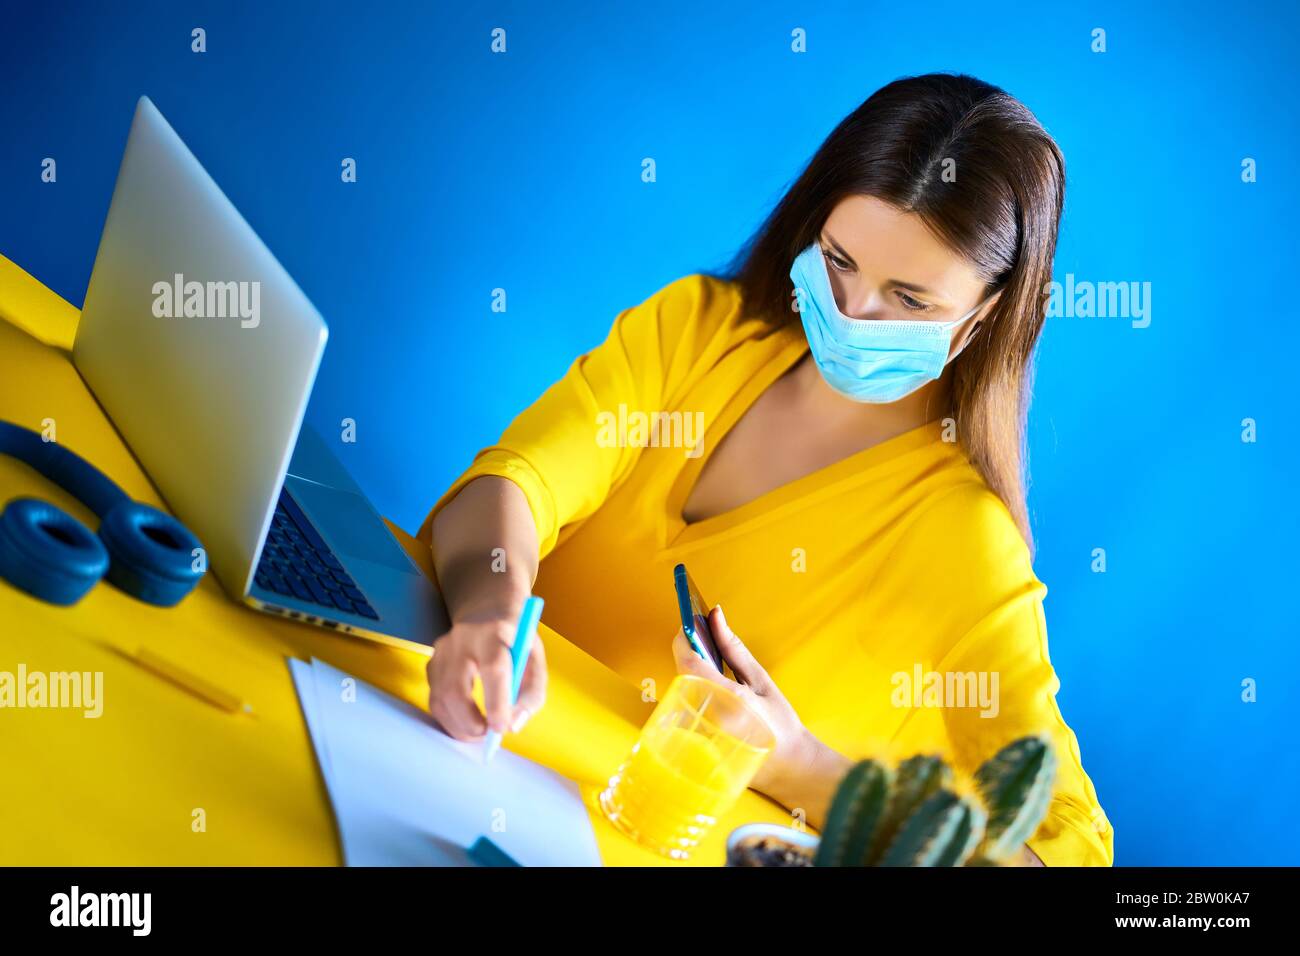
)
(675, 532)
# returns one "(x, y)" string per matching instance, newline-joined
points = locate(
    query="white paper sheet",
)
(406, 794)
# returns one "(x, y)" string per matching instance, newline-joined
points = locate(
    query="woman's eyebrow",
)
(909, 286)
(839, 249)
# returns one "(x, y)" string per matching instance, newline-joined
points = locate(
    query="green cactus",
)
(856, 811)
(942, 831)
(970, 832)
(1016, 786)
(915, 818)
(918, 778)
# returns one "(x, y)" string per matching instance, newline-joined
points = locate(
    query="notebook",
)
(406, 794)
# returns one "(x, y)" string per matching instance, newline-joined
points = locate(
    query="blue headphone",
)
(53, 556)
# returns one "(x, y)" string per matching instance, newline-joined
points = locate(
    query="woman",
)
(857, 500)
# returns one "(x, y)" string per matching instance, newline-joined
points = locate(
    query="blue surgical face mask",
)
(867, 360)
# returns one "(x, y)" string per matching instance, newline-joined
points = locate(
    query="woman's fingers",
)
(532, 691)
(482, 649)
(688, 662)
(683, 654)
(734, 651)
(451, 702)
(496, 672)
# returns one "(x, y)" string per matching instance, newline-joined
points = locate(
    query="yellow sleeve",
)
(554, 451)
(985, 616)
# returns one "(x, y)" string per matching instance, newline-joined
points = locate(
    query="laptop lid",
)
(198, 345)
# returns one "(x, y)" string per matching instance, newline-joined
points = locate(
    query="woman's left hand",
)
(792, 751)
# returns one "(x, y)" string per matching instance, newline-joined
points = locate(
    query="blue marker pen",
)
(525, 634)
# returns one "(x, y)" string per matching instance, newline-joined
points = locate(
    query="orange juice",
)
(696, 755)
(674, 785)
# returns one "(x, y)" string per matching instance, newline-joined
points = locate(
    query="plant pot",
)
(767, 844)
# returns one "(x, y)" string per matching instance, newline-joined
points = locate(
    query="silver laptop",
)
(202, 350)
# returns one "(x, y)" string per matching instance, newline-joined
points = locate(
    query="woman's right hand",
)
(478, 644)
(485, 554)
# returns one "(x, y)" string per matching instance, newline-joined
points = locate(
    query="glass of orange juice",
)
(696, 755)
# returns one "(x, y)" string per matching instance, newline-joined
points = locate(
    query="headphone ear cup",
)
(48, 553)
(152, 554)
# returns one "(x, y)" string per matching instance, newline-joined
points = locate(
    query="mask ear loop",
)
(987, 299)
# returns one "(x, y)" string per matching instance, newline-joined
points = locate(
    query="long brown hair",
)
(1001, 213)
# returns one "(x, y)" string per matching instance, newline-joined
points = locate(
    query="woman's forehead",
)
(889, 244)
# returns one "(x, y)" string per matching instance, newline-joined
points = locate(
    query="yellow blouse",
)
(874, 591)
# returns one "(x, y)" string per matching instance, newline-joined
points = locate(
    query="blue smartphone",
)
(695, 621)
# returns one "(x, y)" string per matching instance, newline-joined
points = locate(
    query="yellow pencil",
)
(187, 680)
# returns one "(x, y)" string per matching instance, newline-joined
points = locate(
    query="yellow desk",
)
(128, 787)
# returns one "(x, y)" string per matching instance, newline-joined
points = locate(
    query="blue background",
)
(522, 171)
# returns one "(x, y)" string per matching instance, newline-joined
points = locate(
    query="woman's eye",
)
(838, 264)
(913, 305)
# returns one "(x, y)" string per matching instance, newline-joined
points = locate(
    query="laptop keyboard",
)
(296, 562)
